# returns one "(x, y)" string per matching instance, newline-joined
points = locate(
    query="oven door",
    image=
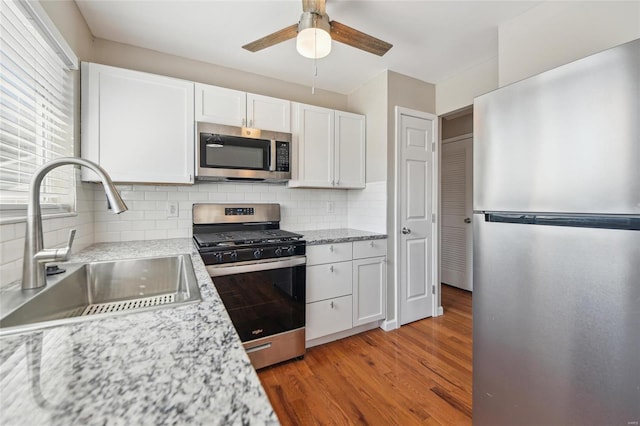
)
(263, 298)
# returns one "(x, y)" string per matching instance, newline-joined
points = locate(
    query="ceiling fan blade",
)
(358, 39)
(275, 38)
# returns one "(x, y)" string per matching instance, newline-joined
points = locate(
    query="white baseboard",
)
(389, 325)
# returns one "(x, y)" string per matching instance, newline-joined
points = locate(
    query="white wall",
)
(546, 36)
(458, 91)
(556, 33)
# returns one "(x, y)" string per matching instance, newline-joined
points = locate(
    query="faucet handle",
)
(56, 254)
(67, 250)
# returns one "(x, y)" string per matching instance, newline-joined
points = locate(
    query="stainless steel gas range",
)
(259, 272)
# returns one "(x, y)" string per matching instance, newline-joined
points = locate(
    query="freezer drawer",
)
(567, 140)
(556, 325)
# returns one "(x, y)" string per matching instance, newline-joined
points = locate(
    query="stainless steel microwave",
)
(242, 154)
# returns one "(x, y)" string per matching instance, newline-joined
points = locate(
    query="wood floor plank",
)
(419, 374)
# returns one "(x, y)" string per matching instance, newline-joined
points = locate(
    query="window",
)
(36, 108)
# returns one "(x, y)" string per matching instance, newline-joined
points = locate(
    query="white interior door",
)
(456, 195)
(415, 155)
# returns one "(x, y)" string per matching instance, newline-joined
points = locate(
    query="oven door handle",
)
(255, 266)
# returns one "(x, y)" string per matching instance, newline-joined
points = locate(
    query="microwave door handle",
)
(272, 157)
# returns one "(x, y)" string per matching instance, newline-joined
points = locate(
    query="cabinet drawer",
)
(329, 253)
(328, 281)
(329, 316)
(369, 248)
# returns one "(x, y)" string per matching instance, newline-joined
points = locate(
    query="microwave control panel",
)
(282, 156)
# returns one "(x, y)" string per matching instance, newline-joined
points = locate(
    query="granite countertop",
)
(341, 235)
(182, 365)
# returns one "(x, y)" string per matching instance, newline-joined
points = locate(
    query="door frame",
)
(435, 200)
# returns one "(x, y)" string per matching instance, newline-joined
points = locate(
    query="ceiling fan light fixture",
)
(313, 39)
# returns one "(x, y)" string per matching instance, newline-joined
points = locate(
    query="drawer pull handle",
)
(332, 305)
(259, 347)
(331, 249)
(331, 268)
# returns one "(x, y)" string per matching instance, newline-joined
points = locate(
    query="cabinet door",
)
(369, 290)
(314, 148)
(266, 113)
(328, 317)
(138, 126)
(350, 150)
(220, 105)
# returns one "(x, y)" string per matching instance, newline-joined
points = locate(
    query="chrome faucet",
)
(35, 255)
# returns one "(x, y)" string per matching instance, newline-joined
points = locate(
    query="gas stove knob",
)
(218, 257)
(291, 250)
(278, 251)
(257, 253)
(234, 255)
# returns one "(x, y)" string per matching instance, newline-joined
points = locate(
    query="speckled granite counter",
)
(342, 235)
(179, 366)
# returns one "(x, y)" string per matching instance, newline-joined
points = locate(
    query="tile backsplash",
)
(148, 215)
(151, 209)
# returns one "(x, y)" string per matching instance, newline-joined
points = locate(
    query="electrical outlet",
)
(172, 209)
(331, 207)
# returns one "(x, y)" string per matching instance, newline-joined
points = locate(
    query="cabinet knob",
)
(332, 305)
(331, 249)
(371, 243)
(331, 268)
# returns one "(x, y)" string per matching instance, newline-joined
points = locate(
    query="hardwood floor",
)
(418, 374)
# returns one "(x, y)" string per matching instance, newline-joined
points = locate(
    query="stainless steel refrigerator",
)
(556, 301)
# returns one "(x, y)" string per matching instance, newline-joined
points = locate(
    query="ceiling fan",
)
(315, 31)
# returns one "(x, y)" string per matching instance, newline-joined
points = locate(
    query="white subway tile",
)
(155, 196)
(235, 196)
(133, 236)
(177, 196)
(198, 196)
(156, 234)
(107, 237)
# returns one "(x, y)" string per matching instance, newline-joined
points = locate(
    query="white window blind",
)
(36, 107)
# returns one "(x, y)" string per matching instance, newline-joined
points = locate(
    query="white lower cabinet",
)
(328, 316)
(369, 290)
(346, 288)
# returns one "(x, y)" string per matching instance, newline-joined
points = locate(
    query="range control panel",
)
(239, 211)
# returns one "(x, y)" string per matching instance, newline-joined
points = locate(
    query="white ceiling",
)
(432, 40)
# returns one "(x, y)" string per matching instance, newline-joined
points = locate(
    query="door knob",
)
(467, 220)
(406, 231)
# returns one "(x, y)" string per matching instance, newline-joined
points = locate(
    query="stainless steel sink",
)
(95, 290)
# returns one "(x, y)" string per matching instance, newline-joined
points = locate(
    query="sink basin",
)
(99, 289)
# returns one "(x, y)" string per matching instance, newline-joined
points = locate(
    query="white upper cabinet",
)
(139, 127)
(236, 108)
(329, 148)
(349, 150)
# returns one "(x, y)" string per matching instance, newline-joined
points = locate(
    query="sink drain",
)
(127, 305)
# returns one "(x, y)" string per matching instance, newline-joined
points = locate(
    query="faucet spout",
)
(35, 256)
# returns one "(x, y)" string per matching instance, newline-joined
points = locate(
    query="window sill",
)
(23, 219)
